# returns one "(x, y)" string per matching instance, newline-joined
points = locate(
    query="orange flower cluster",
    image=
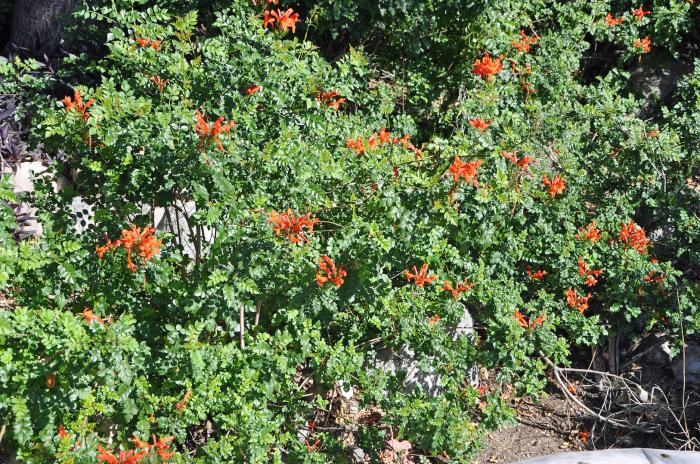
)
(612, 21)
(90, 317)
(208, 134)
(292, 226)
(124, 457)
(420, 278)
(579, 304)
(521, 72)
(327, 266)
(462, 287)
(159, 82)
(526, 324)
(590, 233)
(76, 104)
(330, 99)
(525, 42)
(142, 239)
(591, 275)
(652, 277)
(154, 44)
(161, 446)
(253, 89)
(556, 184)
(480, 124)
(643, 44)
(486, 67)
(537, 275)
(467, 170)
(283, 21)
(634, 236)
(640, 13)
(379, 139)
(513, 158)
(434, 320)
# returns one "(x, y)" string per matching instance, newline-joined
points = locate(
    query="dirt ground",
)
(545, 428)
(556, 425)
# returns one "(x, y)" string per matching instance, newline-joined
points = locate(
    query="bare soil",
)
(548, 427)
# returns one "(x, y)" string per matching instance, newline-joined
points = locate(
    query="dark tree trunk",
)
(37, 26)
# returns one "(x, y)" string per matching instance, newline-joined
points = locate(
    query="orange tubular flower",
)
(590, 233)
(404, 141)
(293, 226)
(154, 44)
(634, 236)
(331, 99)
(255, 88)
(611, 21)
(486, 67)
(162, 446)
(583, 436)
(462, 287)
(384, 137)
(62, 432)
(420, 277)
(640, 13)
(373, 141)
(285, 21)
(327, 266)
(147, 244)
(142, 239)
(466, 170)
(556, 185)
(207, 134)
(579, 304)
(527, 325)
(50, 380)
(643, 44)
(160, 83)
(590, 275)
(522, 163)
(124, 457)
(181, 404)
(537, 275)
(77, 105)
(268, 19)
(140, 444)
(90, 317)
(510, 156)
(525, 42)
(480, 124)
(434, 320)
(357, 145)
(335, 104)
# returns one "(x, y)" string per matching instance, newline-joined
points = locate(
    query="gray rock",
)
(656, 77)
(692, 364)
(417, 376)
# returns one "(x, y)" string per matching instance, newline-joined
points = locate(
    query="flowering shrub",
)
(298, 242)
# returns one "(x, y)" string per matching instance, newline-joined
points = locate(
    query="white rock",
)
(692, 364)
(417, 377)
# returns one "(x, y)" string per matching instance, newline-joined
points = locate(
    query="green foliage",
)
(168, 354)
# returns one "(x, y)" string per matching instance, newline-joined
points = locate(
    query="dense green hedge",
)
(535, 163)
